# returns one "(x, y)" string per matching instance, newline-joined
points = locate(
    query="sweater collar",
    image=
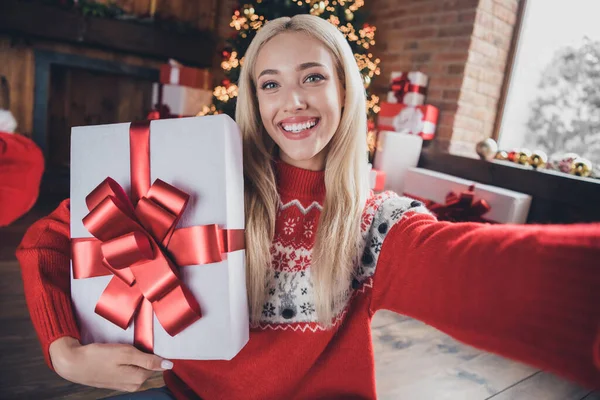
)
(298, 182)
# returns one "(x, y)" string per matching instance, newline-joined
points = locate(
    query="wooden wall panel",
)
(80, 97)
(17, 63)
(17, 59)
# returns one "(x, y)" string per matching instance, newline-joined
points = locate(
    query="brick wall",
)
(462, 45)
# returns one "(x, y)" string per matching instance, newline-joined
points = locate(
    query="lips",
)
(296, 121)
(297, 127)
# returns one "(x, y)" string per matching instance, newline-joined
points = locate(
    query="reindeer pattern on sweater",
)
(290, 291)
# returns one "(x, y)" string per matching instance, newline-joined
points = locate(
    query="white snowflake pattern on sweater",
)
(290, 291)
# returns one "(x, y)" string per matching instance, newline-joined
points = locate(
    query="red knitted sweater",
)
(530, 293)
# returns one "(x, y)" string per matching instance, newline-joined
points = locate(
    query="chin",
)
(299, 156)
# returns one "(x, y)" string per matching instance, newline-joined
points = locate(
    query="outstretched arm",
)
(527, 292)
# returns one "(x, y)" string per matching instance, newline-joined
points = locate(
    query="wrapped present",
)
(157, 232)
(176, 100)
(408, 88)
(457, 199)
(420, 120)
(174, 73)
(376, 179)
(396, 153)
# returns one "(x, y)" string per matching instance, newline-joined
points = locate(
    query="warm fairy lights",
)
(339, 13)
(224, 94)
(238, 21)
(366, 63)
(373, 104)
(349, 31)
(334, 20)
(231, 62)
(367, 36)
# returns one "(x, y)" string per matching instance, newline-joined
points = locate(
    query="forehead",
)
(288, 50)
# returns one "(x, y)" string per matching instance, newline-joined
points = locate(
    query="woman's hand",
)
(109, 366)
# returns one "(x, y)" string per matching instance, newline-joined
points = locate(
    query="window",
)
(553, 97)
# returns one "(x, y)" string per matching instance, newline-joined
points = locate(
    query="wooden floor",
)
(413, 360)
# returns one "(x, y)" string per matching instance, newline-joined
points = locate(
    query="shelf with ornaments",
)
(560, 163)
(558, 197)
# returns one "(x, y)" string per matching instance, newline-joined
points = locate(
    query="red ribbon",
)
(461, 207)
(135, 240)
(402, 85)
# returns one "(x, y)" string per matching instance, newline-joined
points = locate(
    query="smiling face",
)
(300, 97)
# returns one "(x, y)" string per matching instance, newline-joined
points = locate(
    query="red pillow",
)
(21, 169)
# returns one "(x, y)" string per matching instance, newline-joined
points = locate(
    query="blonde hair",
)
(338, 241)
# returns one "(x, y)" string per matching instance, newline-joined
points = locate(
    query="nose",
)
(295, 101)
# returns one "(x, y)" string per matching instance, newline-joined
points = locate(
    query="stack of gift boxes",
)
(181, 92)
(404, 123)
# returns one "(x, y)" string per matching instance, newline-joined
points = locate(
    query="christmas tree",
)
(347, 15)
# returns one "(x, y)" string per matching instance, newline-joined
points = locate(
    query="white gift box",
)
(182, 100)
(201, 156)
(507, 206)
(396, 153)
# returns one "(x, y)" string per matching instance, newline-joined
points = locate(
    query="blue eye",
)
(318, 76)
(266, 85)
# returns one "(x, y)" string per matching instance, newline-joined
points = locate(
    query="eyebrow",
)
(300, 67)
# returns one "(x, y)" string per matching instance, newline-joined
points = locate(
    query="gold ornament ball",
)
(581, 167)
(349, 15)
(487, 149)
(501, 155)
(523, 156)
(538, 159)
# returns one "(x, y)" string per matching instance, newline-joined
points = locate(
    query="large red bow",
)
(402, 85)
(462, 207)
(136, 241)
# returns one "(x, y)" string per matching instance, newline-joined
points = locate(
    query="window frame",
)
(512, 53)
(557, 197)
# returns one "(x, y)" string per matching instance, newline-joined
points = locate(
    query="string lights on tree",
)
(246, 20)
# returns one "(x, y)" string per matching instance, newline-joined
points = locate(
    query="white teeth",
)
(295, 128)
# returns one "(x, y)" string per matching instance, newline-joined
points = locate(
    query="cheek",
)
(266, 109)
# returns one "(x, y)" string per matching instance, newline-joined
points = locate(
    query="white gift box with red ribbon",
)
(181, 100)
(419, 120)
(506, 206)
(409, 88)
(396, 153)
(202, 157)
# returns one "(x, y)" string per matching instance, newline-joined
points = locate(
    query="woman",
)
(325, 254)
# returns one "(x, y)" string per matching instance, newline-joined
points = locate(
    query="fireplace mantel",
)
(39, 21)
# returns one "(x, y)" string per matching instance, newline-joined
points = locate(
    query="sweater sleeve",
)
(527, 292)
(44, 255)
